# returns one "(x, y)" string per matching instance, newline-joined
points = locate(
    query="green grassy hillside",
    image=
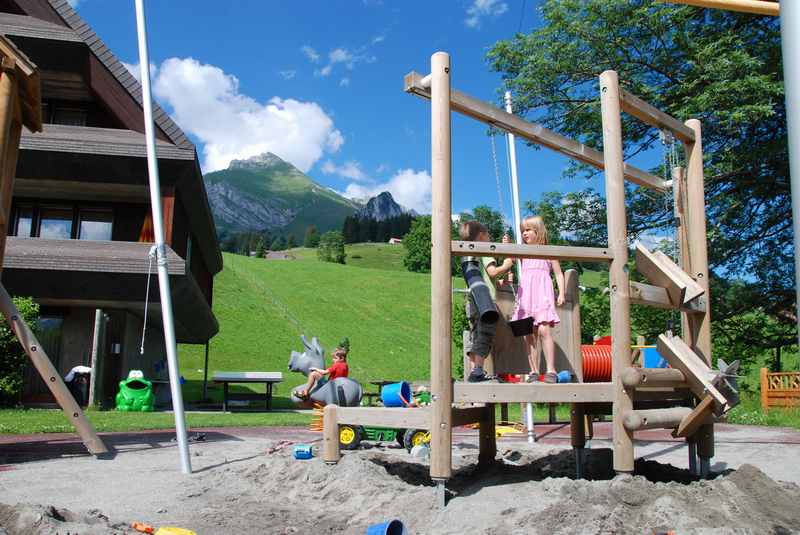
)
(286, 188)
(385, 313)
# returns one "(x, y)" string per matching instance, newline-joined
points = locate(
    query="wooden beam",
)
(696, 371)
(755, 7)
(441, 463)
(702, 414)
(331, 452)
(656, 296)
(487, 439)
(655, 418)
(547, 252)
(647, 113)
(634, 377)
(50, 375)
(406, 418)
(490, 392)
(618, 270)
(468, 415)
(662, 271)
(535, 133)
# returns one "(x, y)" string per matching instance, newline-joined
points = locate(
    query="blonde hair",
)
(536, 223)
(470, 230)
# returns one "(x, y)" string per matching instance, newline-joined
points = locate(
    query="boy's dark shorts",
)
(481, 334)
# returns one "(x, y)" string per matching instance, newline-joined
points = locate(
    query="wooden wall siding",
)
(24, 26)
(42, 9)
(100, 141)
(63, 85)
(180, 226)
(114, 74)
(202, 276)
(119, 101)
(83, 255)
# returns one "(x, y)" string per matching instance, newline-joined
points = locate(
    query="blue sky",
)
(320, 84)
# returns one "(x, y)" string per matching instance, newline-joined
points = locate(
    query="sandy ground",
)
(48, 485)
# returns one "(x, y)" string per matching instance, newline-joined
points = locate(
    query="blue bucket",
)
(392, 527)
(390, 394)
(564, 376)
(303, 451)
(652, 359)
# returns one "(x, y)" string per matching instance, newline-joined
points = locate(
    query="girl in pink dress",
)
(535, 299)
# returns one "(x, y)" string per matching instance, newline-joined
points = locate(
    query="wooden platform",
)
(491, 392)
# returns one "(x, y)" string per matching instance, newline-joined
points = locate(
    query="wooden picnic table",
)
(267, 378)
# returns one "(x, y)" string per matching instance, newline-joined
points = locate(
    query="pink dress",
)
(535, 296)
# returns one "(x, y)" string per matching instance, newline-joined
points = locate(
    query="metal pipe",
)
(790, 41)
(512, 157)
(161, 255)
(529, 422)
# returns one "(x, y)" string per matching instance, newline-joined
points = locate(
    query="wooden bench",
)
(267, 378)
(780, 389)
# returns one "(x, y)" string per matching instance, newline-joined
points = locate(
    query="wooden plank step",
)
(700, 415)
(658, 297)
(662, 271)
(698, 374)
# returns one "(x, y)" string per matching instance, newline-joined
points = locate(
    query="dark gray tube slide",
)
(470, 268)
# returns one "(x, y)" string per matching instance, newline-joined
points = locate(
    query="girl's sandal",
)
(301, 395)
(550, 378)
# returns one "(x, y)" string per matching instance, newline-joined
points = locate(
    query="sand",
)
(239, 487)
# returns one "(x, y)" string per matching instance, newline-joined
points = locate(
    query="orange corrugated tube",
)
(596, 363)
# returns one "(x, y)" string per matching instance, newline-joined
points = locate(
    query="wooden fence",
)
(780, 389)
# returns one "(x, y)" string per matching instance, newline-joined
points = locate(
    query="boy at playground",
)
(338, 368)
(481, 333)
(535, 299)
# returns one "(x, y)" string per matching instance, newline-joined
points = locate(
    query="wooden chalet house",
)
(82, 228)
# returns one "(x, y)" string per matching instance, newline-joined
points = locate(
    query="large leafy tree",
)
(720, 67)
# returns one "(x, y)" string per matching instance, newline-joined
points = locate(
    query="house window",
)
(23, 222)
(69, 116)
(95, 224)
(55, 223)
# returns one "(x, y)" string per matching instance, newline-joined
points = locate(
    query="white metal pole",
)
(512, 157)
(790, 41)
(161, 253)
(512, 151)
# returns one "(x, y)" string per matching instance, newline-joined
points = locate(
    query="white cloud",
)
(382, 168)
(378, 39)
(206, 103)
(350, 169)
(288, 75)
(484, 8)
(310, 53)
(324, 71)
(344, 82)
(136, 70)
(341, 55)
(410, 188)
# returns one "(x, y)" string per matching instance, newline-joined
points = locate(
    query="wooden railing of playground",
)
(780, 389)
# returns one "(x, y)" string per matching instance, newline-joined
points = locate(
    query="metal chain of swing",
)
(671, 161)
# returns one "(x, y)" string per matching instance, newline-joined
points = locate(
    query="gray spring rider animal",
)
(342, 391)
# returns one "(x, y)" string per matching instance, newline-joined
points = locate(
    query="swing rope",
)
(151, 255)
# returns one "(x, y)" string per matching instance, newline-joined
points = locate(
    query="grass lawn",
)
(30, 421)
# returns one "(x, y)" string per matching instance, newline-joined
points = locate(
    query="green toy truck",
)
(350, 436)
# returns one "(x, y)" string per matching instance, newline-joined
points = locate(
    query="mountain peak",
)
(382, 206)
(259, 161)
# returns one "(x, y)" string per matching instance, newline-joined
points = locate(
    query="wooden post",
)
(50, 375)
(618, 271)
(96, 350)
(8, 146)
(330, 435)
(441, 296)
(698, 335)
(577, 431)
(488, 438)
(504, 412)
(764, 390)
